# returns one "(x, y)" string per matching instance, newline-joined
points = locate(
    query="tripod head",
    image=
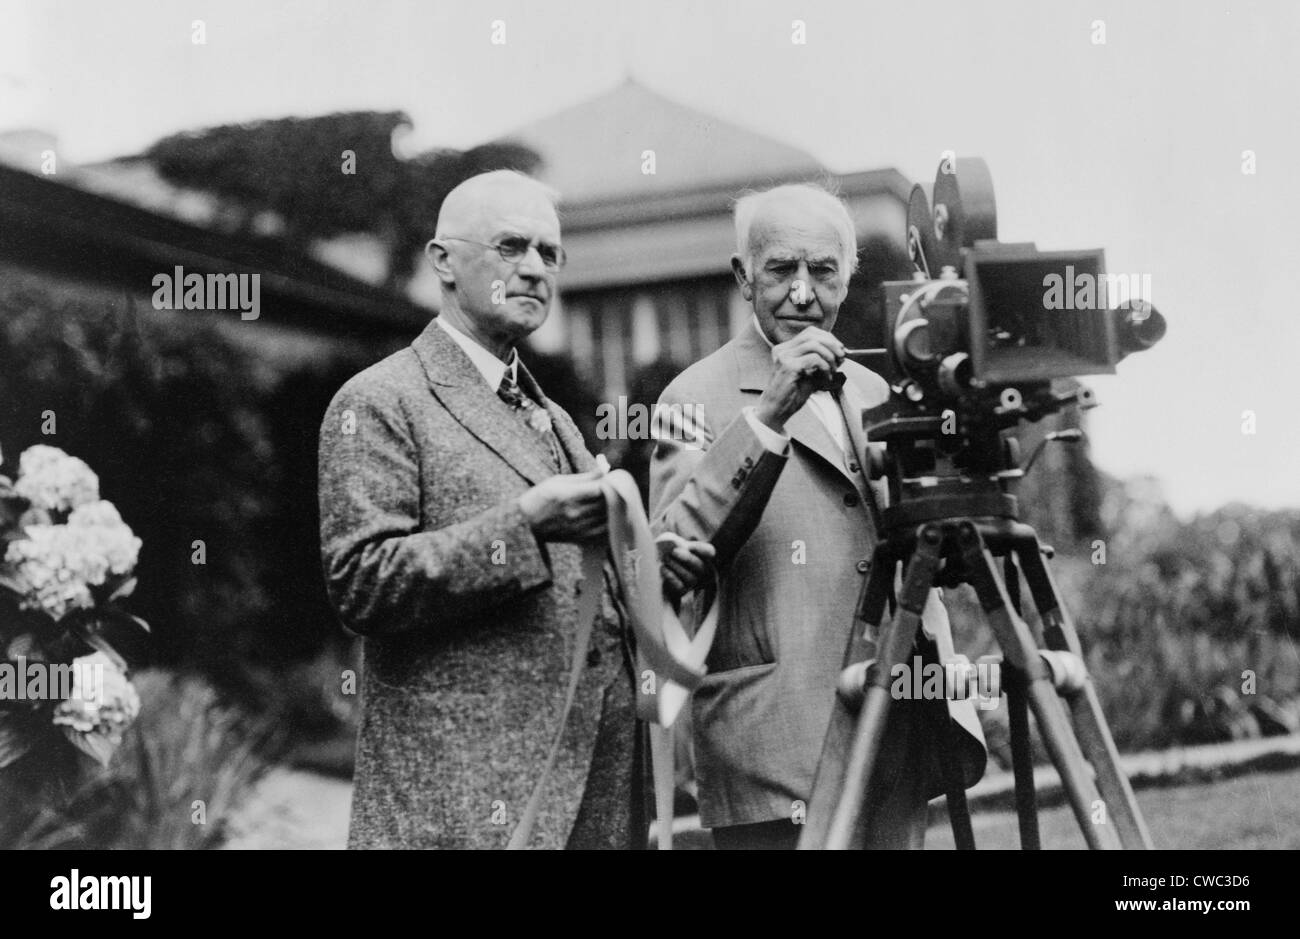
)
(985, 336)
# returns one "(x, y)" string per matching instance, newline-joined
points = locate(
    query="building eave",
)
(617, 212)
(59, 227)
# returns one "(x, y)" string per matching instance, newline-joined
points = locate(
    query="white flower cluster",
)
(60, 563)
(106, 710)
(54, 481)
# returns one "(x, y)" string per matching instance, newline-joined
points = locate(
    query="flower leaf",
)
(16, 738)
(124, 589)
(12, 582)
(90, 631)
(95, 744)
(12, 505)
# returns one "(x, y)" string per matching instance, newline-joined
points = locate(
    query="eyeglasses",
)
(514, 248)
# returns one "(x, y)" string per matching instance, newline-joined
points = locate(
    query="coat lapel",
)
(575, 448)
(852, 404)
(807, 429)
(754, 358)
(460, 387)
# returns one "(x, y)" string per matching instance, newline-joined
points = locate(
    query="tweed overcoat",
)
(468, 621)
(794, 537)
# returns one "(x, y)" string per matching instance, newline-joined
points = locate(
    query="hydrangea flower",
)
(55, 481)
(105, 536)
(60, 563)
(105, 707)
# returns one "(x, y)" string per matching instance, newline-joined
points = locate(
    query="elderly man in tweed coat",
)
(455, 498)
(771, 470)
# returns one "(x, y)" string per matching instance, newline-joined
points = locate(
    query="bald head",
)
(497, 299)
(480, 203)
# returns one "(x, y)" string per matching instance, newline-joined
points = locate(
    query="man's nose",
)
(530, 265)
(801, 294)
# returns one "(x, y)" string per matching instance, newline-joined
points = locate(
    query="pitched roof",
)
(593, 150)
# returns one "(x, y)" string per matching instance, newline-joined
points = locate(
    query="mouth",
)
(526, 296)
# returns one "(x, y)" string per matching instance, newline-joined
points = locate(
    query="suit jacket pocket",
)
(730, 702)
(743, 639)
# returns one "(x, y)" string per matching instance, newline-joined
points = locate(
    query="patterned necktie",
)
(533, 414)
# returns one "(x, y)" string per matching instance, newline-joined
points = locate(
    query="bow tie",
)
(832, 382)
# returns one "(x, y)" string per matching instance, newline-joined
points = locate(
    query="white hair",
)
(748, 205)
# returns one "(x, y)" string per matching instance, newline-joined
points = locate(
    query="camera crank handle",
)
(1070, 435)
(875, 359)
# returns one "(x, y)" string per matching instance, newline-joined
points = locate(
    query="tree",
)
(325, 176)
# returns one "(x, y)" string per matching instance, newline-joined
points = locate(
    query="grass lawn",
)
(1261, 810)
(296, 809)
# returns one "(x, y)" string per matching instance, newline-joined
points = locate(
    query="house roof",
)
(58, 227)
(623, 226)
(594, 150)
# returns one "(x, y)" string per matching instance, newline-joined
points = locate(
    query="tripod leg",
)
(835, 748)
(894, 647)
(1022, 759)
(877, 589)
(1020, 650)
(1085, 707)
(958, 810)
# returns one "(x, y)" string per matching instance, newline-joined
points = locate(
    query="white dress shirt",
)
(490, 367)
(822, 404)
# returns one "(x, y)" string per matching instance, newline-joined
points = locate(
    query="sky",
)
(1134, 144)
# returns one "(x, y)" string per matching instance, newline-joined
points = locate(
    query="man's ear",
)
(437, 255)
(738, 268)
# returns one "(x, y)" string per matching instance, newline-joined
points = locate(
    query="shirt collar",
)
(490, 367)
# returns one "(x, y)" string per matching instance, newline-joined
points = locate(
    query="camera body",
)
(980, 314)
(986, 335)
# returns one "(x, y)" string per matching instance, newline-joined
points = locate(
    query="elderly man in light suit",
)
(455, 498)
(771, 471)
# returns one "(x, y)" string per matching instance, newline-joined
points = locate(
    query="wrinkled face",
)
(797, 277)
(505, 299)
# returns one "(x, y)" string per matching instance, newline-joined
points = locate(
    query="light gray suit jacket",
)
(794, 536)
(468, 620)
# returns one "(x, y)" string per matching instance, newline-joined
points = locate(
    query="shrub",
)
(1191, 627)
(182, 770)
(195, 437)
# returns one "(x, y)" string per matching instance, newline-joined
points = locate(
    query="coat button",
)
(854, 468)
(850, 499)
(864, 566)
